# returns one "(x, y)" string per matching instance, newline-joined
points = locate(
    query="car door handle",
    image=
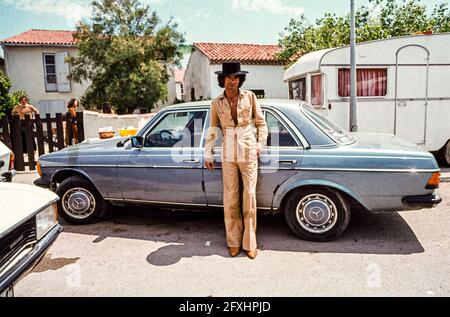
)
(287, 161)
(191, 161)
(402, 104)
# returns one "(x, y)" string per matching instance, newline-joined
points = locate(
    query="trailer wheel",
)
(445, 154)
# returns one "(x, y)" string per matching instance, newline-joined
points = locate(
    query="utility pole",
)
(353, 116)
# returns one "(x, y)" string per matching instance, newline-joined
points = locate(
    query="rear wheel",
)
(80, 202)
(317, 214)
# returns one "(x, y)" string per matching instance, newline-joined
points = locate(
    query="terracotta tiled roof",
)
(41, 37)
(179, 75)
(245, 53)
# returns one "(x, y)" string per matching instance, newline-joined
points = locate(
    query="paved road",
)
(145, 252)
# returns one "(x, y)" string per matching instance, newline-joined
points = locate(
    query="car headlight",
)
(46, 219)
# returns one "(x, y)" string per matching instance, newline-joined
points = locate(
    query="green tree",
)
(125, 51)
(381, 19)
(5, 98)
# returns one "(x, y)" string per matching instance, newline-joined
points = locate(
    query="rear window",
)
(334, 131)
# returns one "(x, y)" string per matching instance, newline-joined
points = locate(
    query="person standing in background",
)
(72, 134)
(22, 109)
(107, 108)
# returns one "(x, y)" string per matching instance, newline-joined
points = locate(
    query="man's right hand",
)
(209, 165)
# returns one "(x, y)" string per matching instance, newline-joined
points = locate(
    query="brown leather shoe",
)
(252, 253)
(234, 251)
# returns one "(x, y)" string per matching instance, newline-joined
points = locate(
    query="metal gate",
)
(31, 138)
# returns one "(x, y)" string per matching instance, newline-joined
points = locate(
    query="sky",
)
(223, 21)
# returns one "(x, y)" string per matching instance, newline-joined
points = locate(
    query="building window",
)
(297, 89)
(370, 82)
(259, 93)
(56, 70)
(50, 73)
(182, 88)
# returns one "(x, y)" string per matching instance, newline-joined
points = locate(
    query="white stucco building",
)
(175, 85)
(35, 62)
(265, 76)
(179, 83)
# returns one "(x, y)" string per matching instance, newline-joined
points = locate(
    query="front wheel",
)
(317, 214)
(79, 202)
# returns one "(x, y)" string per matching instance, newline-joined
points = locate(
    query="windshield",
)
(331, 129)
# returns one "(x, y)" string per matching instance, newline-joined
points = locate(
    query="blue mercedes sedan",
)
(311, 170)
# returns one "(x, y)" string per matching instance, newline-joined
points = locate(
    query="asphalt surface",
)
(151, 252)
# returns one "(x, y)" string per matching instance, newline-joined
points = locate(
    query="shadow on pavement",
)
(203, 233)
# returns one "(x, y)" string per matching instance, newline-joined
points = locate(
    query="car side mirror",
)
(136, 142)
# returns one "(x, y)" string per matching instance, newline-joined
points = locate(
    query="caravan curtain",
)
(370, 82)
(316, 90)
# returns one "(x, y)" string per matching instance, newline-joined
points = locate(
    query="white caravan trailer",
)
(403, 87)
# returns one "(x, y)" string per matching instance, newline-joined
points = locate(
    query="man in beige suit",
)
(244, 133)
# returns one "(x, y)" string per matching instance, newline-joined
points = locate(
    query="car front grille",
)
(14, 241)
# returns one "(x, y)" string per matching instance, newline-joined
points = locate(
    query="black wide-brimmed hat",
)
(233, 68)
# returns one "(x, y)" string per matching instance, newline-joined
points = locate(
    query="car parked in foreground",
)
(6, 163)
(28, 227)
(312, 170)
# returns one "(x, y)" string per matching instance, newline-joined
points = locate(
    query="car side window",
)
(278, 134)
(177, 129)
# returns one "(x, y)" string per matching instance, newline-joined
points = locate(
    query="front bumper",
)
(8, 176)
(424, 201)
(42, 183)
(29, 261)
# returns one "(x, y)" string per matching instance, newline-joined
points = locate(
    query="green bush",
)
(5, 98)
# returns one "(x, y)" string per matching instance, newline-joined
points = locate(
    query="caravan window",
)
(297, 89)
(370, 82)
(316, 90)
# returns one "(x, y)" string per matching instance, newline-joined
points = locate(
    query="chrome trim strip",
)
(261, 208)
(368, 157)
(178, 204)
(368, 170)
(151, 166)
(275, 168)
(381, 99)
(74, 166)
(161, 166)
(155, 202)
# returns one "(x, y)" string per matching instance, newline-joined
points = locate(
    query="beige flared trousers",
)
(240, 224)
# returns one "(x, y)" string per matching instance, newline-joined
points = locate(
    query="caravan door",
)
(411, 93)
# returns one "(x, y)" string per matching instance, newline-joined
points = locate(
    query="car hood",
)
(93, 145)
(20, 201)
(89, 148)
(373, 151)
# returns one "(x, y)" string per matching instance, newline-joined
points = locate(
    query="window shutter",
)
(62, 71)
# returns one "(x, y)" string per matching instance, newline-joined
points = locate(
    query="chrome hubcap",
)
(78, 203)
(316, 213)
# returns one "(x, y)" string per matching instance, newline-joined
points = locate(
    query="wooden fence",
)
(41, 135)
